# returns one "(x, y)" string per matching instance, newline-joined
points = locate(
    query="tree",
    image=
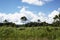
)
(56, 20)
(59, 17)
(23, 18)
(38, 21)
(5, 21)
(44, 23)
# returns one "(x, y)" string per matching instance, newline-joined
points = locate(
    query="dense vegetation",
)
(30, 33)
(31, 30)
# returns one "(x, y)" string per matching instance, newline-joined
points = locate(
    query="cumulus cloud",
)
(33, 17)
(15, 17)
(59, 9)
(42, 16)
(29, 14)
(53, 13)
(37, 2)
(51, 16)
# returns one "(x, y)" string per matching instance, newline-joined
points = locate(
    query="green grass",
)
(30, 33)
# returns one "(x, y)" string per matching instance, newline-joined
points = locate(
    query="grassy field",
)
(30, 33)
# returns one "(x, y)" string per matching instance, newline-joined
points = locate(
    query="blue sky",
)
(11, 6)
(13, 10)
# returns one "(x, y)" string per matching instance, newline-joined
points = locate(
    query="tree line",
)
(32, 24)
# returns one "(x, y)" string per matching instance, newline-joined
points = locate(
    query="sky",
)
(13, 10)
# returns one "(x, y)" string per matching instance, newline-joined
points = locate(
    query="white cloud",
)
(36, 2)
(53, 13)
(59, 9)
(42, 16)
(15, 17)
(51, 16)
(30, 15)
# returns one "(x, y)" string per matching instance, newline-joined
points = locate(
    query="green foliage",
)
(8, 32)
(56, 20)
(30, 33)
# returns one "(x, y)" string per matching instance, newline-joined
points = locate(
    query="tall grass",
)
(29, 33)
